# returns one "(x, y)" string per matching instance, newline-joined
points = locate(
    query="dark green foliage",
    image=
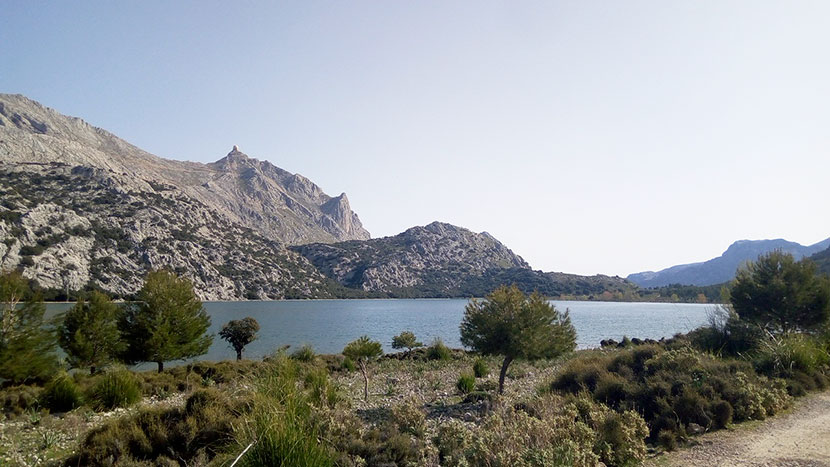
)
(511, 324)
(667, 439)
(304, 354)
(61, 394)
(781, 294)
(480, 369)
(405, 340)
(115, 389)
(438, 350)
(672, 388)
(18, 399)
(89, 333)
(240, 333)
(202, 429)
(466, 384)
(26, 345)
(726, 334)
(348, 364)
(168, 322)
(363, 350)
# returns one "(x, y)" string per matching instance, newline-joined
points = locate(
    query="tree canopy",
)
(26, 345)
(781, 294)
(362, 350)
(167, 323)
(509, 323)
(406, 340)
(89, 333)
(239, 333)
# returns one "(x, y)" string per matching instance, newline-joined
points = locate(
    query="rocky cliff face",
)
(723, 268)
(71, 228)
(83, 208)
(256, 194)
(433, 260)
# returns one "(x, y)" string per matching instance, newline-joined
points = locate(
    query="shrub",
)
(721, 414)
(480, 369)
(18, 399)
(438, 351)
(667, 440)
(348, 364)
(409, 419)
(200, 430)
(61, 394)
(304, 354)
(783, 356)
(115, 389)
(466, 384)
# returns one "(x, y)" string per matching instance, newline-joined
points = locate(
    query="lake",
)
(328, 325)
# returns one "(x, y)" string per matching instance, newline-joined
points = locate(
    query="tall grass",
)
(115, 389)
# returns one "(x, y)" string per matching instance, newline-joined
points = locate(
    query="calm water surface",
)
(328, 325)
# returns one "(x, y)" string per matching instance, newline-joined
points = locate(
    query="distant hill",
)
(822, 260)
(723, 268)
(442, 260)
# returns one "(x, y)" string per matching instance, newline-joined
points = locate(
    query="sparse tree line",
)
(166, 323)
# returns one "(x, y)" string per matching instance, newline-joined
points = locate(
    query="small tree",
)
(239, 333)
(89, 333)
(167, 323)
(781, 294)
(362, 350)
(509, 323)
(26, 345)
(406, 340)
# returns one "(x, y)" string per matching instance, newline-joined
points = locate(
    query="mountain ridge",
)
(722, 268)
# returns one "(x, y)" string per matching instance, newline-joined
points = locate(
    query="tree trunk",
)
(238, 354)
(365, 380)
(161, 366)
(503, 372)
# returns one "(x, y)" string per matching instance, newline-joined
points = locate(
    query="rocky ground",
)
(799, 437)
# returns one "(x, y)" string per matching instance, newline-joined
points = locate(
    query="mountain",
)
(442, 260)
(723, 268)
(81, 208)
(278, 204)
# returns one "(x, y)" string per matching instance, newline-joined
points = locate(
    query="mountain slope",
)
(443, 260)
(74, 228)
(723, 268)
(278, 204)
(822, 260)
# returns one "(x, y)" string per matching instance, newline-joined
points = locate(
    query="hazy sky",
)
(590, 137)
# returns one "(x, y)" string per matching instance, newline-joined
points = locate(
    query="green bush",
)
(667, 439)
(480, 369)
(115, 389)
(304, 354)
(672, 388)
(192, 434)
(61, 394)
(409, 419)
(785, 355)
(18, 399)
(438, 351)
(466, 384)
(348, 364)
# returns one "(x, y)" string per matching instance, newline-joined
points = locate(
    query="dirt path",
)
(800, 437)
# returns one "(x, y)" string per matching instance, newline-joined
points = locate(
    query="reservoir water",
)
(328, 325)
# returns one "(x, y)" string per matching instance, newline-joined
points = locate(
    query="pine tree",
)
(167, 323)
(362, 351)
(27, 347)
(509, 323)
(89, 333)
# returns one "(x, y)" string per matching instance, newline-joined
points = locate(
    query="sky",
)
(588, 136)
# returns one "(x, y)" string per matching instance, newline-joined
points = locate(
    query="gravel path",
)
(800, 437)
